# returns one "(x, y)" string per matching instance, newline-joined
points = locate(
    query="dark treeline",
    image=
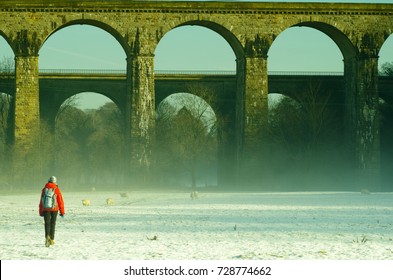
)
(85, 149)
(89, 146)
(307, 149)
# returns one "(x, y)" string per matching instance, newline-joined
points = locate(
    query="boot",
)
(47, 241)
(51, 241)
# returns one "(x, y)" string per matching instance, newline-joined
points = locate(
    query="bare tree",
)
(7, 65)
(305, 137)
(106, 144)
(70, 102)
(188, 133)
(6, 68)
(316, 114)
(72, 130)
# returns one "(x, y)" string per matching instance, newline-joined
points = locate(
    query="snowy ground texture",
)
(215, 226)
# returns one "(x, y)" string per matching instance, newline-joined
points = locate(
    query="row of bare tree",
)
(87, 147)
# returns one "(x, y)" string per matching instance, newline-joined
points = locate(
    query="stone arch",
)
(341, 45)
(99, 24)
(319, 53)
(342, 41)
(226, 93)
(232, 40)
(53, 100)
(326, 143)
(349, 53)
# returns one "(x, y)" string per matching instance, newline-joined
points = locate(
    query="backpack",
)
(49, 198)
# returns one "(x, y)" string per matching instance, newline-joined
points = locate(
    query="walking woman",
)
(51, 203)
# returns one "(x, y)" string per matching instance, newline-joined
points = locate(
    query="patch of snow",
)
(217, 226)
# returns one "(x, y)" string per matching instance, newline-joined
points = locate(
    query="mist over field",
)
(88, 150)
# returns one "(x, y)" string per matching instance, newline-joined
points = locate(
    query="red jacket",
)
(59, 198)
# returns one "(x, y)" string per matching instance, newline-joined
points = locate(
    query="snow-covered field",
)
(217, 226)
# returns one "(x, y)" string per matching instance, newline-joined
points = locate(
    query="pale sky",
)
(194, 48)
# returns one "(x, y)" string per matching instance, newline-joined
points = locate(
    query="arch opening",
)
(89, 128)
(82, 45)
(6, 54)
(385, 63)
(186, 151)
(306, 132)
(90, 100)
(385, 60)
(216, 52)
(288, 53)
(213, 52)
(89, 144)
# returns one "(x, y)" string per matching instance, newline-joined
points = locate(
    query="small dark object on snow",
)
(152, 238)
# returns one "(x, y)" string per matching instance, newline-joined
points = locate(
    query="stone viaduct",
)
(359, 30)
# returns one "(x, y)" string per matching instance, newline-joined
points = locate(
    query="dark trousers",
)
(50, 223)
